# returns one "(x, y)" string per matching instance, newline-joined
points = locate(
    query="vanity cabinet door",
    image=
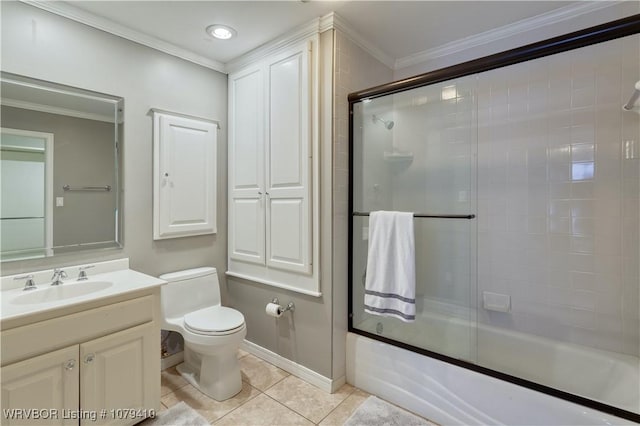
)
(121, 375)
(43, 390)
(184, 176)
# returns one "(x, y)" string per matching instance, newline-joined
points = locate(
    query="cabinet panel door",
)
(247, 229)
(185, 176)
(121, 371)
(46, 382)
(288, 162)
(246, 166)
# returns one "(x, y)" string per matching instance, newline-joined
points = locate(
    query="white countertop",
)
(123, 281)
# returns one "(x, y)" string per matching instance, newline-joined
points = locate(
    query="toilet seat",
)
(214, 321)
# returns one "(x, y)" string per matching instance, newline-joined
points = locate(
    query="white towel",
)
(390, 287)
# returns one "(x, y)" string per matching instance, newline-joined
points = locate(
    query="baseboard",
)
(304, 373)
(171, 360)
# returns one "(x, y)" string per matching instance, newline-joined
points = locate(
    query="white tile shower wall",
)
(354, 69)
(558, 196)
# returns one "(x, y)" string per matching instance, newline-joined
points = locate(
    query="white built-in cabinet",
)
(114, 377)
(273, 228)
(184, 183)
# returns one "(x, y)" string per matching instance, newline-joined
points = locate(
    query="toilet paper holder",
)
(290, 306)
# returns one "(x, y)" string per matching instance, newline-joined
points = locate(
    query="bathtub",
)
(450, 395)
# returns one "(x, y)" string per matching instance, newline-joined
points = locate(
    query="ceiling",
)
(397, 28)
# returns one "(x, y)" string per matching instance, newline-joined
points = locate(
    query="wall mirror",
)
(59, 171)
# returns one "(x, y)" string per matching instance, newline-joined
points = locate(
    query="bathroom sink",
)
(107, 280)
(61, 292)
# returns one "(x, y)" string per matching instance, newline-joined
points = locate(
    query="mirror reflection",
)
(59, 168)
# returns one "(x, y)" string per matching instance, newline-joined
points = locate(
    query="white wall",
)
(46, 46)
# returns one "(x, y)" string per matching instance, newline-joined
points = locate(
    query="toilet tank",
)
(189, 290)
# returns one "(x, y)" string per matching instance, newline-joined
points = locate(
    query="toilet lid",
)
(214, 318)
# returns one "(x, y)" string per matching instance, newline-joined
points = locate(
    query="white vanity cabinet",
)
(184, 183)
(100, 365)
(272, 148)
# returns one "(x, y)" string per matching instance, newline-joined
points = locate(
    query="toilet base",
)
(216, 375)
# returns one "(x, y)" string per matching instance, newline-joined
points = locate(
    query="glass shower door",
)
(415, 152)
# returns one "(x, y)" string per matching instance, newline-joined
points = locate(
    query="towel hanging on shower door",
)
(390, 285)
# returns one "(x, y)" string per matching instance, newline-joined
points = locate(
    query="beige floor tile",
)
(209, 408)
(242, 353)
(260, 374)
(306, 399)
(346, 408)
(171, 380)
(262, 410)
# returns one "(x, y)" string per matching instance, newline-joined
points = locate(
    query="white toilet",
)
(212, 333)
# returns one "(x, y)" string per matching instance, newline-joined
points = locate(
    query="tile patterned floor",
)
(269, 396)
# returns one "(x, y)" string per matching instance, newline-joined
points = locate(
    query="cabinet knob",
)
(89, 358)
(69, 365)
(166, 174)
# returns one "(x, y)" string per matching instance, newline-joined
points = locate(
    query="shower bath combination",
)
(550, 231)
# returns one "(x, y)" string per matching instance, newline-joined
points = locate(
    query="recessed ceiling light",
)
(221, 32)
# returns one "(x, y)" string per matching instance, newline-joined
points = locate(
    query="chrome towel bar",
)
(105, 188)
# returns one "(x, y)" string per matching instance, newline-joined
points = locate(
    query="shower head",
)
(388, 124)
(631, 104)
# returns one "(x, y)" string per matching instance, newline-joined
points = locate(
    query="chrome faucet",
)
(58, 275)
(82, 275)
(30, 284)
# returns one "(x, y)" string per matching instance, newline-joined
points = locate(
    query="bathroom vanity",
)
(84, 352)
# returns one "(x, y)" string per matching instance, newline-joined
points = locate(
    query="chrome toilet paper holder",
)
(290, 306)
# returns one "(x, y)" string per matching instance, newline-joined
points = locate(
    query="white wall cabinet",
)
(184, 184)
(110, 364)
(273, 229)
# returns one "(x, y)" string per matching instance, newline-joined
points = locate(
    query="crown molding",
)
(333, 20)
(555, 16)
(76, 14)
(318, 25)
(55, 110)
(283, 41)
